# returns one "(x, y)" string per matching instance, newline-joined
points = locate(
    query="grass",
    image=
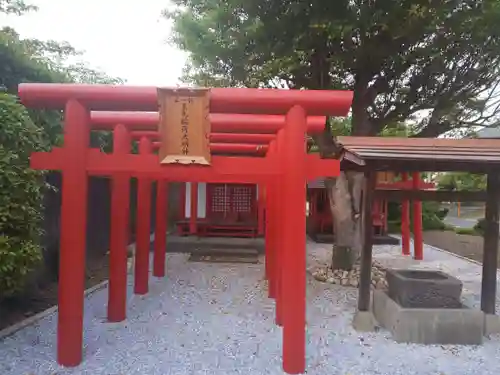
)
(467, 231)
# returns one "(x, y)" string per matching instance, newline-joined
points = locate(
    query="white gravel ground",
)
(216, 319)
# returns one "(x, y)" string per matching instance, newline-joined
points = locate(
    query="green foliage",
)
(461, 181)
(21, 194)
(449, 228)
(402, 59)
(15, 7)
(480, 226)
(394, 226)
(432, 216)
(467, 231)
(33, 60)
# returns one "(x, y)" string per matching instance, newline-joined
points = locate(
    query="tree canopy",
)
(433, 62)
(461, 181)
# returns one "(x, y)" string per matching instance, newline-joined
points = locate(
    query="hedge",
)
(21, 195)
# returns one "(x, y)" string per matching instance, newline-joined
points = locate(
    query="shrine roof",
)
(420, 154)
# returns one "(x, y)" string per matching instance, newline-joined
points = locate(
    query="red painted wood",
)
(119, 233)
(261, 210)
(230, 148)
(76, 163)
(217, 137)
(235, 169)
(418, 242)
(258, 139)
(294, 260)
(143, 242)
(235, 124)
(193, 219)
(405, 222)
(270, 231)
(222, 100)
(160, 228)
(280, 222)
(73, 235)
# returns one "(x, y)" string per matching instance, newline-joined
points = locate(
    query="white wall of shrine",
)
(202, 200)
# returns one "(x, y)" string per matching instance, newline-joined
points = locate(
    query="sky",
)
(124, 38)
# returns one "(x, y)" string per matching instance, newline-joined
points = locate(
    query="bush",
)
(21, 194)
(442, 213)
(394, 227)
(432, 217)
(480, 226)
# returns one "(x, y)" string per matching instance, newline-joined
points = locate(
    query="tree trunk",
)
(345, 195)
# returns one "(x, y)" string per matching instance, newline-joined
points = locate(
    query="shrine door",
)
(232, 202)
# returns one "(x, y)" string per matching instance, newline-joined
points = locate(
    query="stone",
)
(443, 326)
(364, 321)
(491, 324)
(350, 278)
(424, 288)
(380, 284)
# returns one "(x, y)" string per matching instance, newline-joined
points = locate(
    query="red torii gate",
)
(284, 171)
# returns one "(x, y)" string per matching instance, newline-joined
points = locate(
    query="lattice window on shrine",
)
(243, 197)
(219, 200)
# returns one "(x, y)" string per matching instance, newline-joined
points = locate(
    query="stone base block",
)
(491, 324)
(364, 321)
(428, 326)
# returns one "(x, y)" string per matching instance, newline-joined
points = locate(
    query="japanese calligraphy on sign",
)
(184, 125)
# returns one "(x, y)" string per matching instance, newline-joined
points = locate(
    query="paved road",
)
(460, 222)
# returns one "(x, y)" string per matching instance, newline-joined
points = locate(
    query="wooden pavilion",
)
(371, 155)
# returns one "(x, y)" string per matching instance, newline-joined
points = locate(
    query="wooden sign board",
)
(385, 177)
(184, 125)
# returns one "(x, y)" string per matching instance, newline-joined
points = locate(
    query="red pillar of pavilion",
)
(73, 234)
(280, 220)
(418, 242)
(270, 235)
(294, 242)
(405, 222)
(261, 204)
(120, 212)
(160, 228)
(143, 219)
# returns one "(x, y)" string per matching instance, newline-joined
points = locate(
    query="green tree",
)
(399, 57)
(18, 7)
(22, 132)
(434, 63)
(21, 194)
(32, 60)
(461, 181)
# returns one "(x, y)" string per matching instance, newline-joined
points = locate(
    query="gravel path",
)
(216, 319)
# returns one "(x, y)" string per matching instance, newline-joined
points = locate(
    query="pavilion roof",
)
(420, 154)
